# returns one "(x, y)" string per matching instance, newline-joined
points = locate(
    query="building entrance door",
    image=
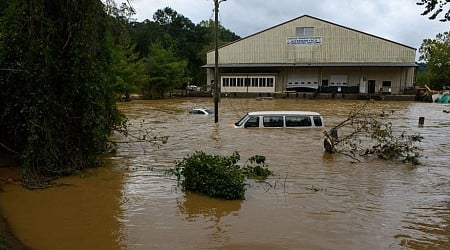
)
(371, 86)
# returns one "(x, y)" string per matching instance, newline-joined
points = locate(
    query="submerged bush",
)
(258, 169)
(218, 176)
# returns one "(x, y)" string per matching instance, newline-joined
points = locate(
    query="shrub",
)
(258, 169)
(213, 175)
(219, 176)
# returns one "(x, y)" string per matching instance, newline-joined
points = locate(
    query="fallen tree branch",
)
(8, 148)
(367, 133)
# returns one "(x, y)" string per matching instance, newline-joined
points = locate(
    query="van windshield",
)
(252, 122)
(241, 121)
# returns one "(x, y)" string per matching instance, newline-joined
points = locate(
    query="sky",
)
(397, 20)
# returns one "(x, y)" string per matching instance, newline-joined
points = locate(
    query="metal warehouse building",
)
(308, 54)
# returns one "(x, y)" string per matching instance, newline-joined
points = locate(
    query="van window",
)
(253, 122)
(273, 121)
(317, 121)
(298, 121)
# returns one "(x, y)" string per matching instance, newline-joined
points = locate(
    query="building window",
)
(387, 87)
(270, 82)
(254, 82)
(233, 82)
(262, 82)
(240, 82)
(226, 82)
(247, 82)
(304, 31)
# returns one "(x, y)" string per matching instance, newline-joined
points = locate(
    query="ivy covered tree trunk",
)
(57, 107)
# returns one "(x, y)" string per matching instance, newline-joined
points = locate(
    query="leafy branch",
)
(365, 134)
(140, 134)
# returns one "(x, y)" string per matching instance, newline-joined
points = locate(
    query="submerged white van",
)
(281, 119)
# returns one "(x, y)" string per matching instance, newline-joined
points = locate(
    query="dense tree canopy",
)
(165, 70)
(433, 8)
(57, 103)
(185, 39)
(63, 65)
(436, 54)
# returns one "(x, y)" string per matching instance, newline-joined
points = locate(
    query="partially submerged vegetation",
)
(219, 176)
(363, 134)
(57, 99)
(9, 241)
(64, 65)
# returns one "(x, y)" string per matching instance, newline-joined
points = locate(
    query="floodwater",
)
(313, 200)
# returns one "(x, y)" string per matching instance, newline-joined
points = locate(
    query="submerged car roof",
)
(283, 113)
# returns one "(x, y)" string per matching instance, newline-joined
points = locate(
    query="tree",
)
(57, 102)
(127, 69)
(143, 34)
(205, 37)
(166, 71)
(186, 41)
(436, 54)
(423, 74)
(434, 8)
(184, 37)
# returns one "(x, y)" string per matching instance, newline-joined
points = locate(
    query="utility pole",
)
(216, 60)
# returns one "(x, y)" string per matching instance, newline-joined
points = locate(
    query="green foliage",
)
(128, 72)
(213, 175)
(4, 243)
(257, 169)
(186, 41)
(434, 8)
(436, 54)
(423, 75)
(57, 100)
(367, 134)
(127, 69)
(165, 70)
(219, 176)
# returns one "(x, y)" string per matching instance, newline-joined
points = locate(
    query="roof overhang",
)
(289, 65)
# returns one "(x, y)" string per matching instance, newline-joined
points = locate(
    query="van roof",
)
(285, 112)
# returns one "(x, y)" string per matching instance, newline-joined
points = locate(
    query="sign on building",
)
(304, 40)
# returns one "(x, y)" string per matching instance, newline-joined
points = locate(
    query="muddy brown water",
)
(313, 200)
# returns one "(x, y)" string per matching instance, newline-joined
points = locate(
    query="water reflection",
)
(78, 213)
(194, 205)
(211, 212)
